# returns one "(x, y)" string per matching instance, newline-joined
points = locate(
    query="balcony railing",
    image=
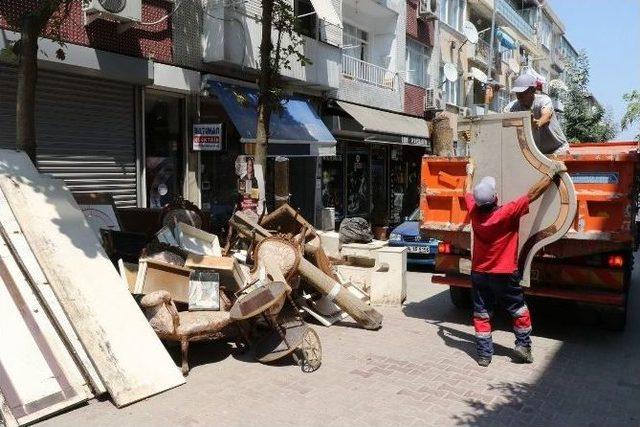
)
(482, 51)
(369, 73)
(510, 14)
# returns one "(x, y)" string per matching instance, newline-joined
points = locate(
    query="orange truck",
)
(591, 264)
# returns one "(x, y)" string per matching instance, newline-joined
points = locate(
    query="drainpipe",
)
(490, 66)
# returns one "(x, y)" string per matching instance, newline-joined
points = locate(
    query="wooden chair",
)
(185, 326)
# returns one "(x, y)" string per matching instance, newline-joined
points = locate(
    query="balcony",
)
(232, 38)
(366, 72)
(481, 52)
(514, 18)
(558, 59)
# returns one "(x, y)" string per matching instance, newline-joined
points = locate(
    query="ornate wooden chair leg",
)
(184, 346)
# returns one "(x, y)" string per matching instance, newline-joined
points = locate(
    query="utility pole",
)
(490, 66)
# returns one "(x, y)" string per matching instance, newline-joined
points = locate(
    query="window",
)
(506, 54)
(164, 148)
(450, 90)
(307, 23)
(452, 13)
(417, 64)
(355, 42)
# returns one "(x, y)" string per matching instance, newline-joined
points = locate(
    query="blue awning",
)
(505, 39)
(295, 130)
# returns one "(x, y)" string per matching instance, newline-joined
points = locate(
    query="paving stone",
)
(408, 374)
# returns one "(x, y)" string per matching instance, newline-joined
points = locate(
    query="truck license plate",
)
(419, 249)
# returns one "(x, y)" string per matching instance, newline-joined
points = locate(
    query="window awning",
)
(385, 122)
(296, 130)
(325, 11)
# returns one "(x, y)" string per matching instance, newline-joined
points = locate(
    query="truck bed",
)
(604, 175)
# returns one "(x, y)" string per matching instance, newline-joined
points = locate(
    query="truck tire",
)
(614, 319)
(460, 297)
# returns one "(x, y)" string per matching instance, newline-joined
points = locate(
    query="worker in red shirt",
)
(494, 264)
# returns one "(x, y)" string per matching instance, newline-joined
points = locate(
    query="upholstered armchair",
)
(184, 326)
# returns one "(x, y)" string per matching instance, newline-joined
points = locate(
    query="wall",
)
(153, 41)
(418, 28)
(414, 99)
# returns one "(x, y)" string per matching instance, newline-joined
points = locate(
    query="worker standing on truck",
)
(547, 132)
(494, 262)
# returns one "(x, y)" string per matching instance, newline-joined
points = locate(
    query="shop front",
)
(228, 177)
(375, 173)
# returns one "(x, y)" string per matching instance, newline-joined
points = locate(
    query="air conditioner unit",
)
(428, 9)
(114, 10)
(433, 100)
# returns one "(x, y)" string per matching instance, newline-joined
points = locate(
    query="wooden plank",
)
(160, 276)
(38, 376)
(126, 352)
(128, 273)
(17, 244)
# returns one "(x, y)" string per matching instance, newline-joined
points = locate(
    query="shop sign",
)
(207, 137)
(417, 142)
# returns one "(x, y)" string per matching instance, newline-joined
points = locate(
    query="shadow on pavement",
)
(583, 374)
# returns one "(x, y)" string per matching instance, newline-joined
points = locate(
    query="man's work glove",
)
(556, 168)
(470, 168)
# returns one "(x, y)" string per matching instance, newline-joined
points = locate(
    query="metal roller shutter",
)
(85, 129)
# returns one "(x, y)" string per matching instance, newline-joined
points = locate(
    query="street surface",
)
(419, 369)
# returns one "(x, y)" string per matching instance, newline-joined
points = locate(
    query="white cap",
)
(484, 193)
(524, 82)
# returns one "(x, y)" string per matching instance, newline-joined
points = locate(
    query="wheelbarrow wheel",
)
(310, 351)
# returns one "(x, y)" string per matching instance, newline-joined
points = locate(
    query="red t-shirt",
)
(495, 235)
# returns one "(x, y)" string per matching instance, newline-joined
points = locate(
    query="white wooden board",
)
(19, 247)
(127, 354)
(502, 146)
(38, 375)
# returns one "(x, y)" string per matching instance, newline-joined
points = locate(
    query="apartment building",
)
(117, 113)
(528, 36)
(375, 172)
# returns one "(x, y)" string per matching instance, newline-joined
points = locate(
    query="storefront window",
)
(333, 184)
(397, 184)
(379, 191)
(358, 183)
(164, 148)
(218, 175)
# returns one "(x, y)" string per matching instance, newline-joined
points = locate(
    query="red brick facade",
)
(418, 28)
(148, 41)
(414, 99)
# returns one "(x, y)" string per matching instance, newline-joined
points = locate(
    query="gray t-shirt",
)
(548, 138)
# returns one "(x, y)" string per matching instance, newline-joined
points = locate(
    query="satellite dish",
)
(479, 75)
(470, 32)
(450, 72)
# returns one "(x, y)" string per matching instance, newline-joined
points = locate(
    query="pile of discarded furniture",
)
(89, 292)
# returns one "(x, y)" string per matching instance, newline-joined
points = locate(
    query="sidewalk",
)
(417, 370)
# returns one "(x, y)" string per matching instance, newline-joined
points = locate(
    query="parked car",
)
(419, 251)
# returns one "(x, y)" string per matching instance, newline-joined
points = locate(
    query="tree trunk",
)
(264, 86)
(442, 136)
(281, 176)
(26, 91)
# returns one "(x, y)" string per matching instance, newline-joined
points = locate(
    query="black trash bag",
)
(355, 230)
